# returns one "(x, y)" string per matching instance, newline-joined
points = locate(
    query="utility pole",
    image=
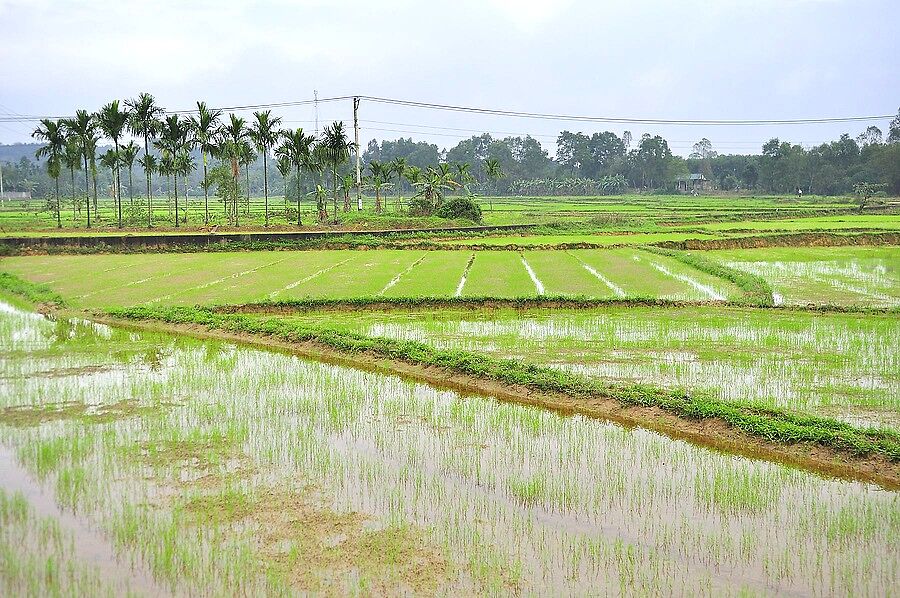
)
(316, 109)
(358, 152)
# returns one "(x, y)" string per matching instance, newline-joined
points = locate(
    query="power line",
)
(619, 120)
(516, 114)
(482, 131)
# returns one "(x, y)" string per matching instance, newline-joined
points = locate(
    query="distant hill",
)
(15, 151)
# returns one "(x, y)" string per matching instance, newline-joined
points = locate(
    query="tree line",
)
(231, 150)
(167, 144)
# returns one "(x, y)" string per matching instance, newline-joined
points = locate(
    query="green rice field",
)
(149, 464)
(135, 461)
(216, 278)
(840, 365)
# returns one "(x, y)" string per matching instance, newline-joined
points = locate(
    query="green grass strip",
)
(771, 424)
(756, 289)
(32, 292)
(517, 303)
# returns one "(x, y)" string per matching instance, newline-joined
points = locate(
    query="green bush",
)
(460, 207)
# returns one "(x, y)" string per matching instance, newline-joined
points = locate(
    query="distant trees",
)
(112, 121)
(380, 176)
(264, 134)
(174, 139)
(335, 150)
(205, 128)
(296, 149)
(51, 132)
(129, 154)
(146, 122)
(82, 130)
(584, 163)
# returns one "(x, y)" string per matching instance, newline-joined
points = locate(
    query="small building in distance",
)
(693, 182)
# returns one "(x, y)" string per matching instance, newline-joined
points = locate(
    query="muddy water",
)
(122, 575)
(485, 497)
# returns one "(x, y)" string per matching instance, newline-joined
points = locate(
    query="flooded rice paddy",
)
(865, 276)
(204, 468)
(841, 365)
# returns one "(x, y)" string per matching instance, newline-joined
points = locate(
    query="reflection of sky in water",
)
(552, 497)
(850, 282)
(806, 361)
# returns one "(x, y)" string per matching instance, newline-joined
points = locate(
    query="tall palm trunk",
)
(131, 185)
(117, 184)
(175, 176)
(266, 182)
(96, 209)
(149, 192)
(74, 203)
(334, 188)
(247, 171)
(205, 194)
(87, 192)
(298, 196)
(58, 219)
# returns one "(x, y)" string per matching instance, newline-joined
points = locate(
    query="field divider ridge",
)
(823, 444)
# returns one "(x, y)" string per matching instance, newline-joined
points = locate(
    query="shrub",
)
(460, 207)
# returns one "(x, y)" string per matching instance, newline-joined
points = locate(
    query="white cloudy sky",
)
(692, 59)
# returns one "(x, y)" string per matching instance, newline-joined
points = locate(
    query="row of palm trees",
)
(72, 143)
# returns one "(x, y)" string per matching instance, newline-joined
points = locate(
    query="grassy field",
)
(206, 278)
(623, 213)
(201, 467)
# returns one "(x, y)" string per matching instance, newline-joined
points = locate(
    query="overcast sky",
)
(692, 59)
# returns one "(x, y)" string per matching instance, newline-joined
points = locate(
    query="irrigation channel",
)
(203, 467)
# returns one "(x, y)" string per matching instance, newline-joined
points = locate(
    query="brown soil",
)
(810, 239)
(35, 415)
(711, 433)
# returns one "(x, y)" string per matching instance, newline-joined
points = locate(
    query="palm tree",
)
(335, 150)
(381, 173)
(145, 121)
(231, 138)
(398, 167)
(205, 126)
(464, 174)
(432, 185)
(296, 148)
(412, 174)
(321, 195)
(174, 138)
(110, 160)
(113, 122)
(283, 163)
(72, 159)
(129, 154)
(264, 134)
(51, 133)
(83, 127)
(347, 183)
(494, 172)
(184, 165)
(247, 157)
(150, 164)
(165, 167)
(92, 159)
